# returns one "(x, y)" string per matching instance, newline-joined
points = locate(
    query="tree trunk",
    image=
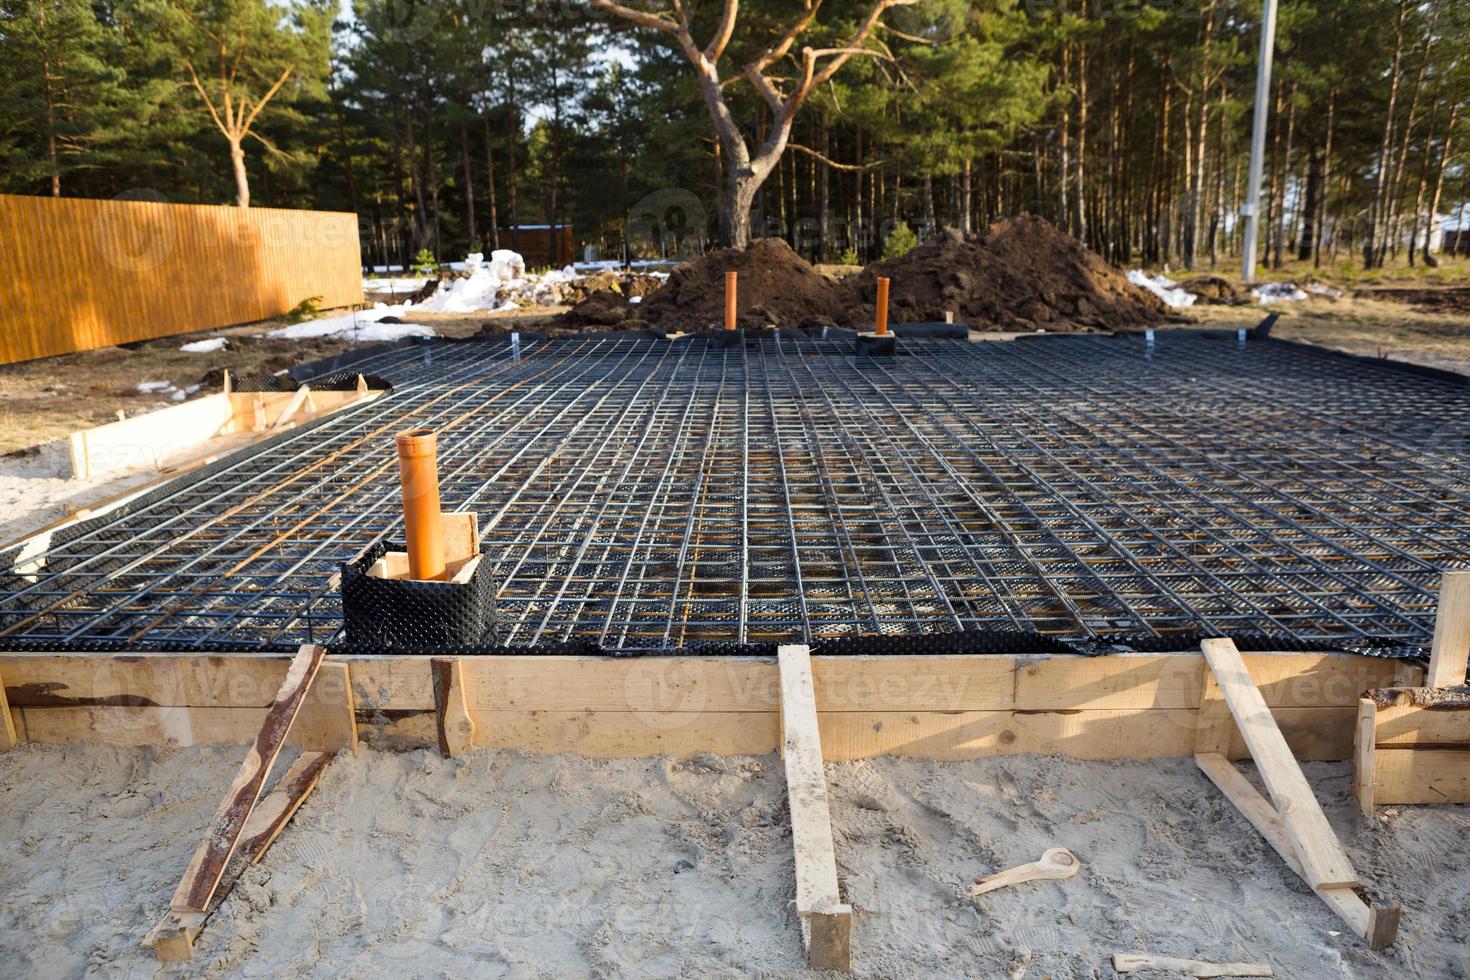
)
(1080, 180)
(490, 187)
(1326, 181)
(1380, 186)
(513, 135)
(824, 192)
(242, 182)
(469, 183)
(1434, 200)
(967, 199)
(1310, 207)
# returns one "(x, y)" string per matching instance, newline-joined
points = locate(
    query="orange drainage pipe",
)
(880, 327)
(732, 284)
(418, 468)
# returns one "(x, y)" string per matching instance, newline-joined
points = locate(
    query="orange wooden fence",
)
(80, 274)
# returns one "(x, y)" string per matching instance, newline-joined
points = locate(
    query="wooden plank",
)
(213, 854)
(1323, 860)
(461, 534)
(1364, 746)
(327, 721)
(1422, 716)
(455, 729)
(1214, 729)
(1451, 649)
(1378, 926)
(64, 680)
(818, 901)
(658, 684)
(1131, 962)
(8, 738)
(1421, 776)
(277, 807)
(173, 938)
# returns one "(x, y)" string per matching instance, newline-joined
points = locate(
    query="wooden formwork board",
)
(938, 707)
(1413, 747)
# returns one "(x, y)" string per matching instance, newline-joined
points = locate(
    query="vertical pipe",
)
(418, 469)
(1252, 209)
(880, 326)
(732, 282)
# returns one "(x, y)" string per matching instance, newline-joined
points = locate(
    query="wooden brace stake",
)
(451, 712)
(1295, 826)
(826, 921)
(1451, 651)
(246, 825)
(8, 739)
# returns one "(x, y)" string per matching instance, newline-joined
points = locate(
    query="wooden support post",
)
(1365, 737)
(208, 864)
(451, 711)
(327, 721)
(8, 739)
(1295, 826)
(1413, 746)
(301, 396)
(245, 825)
(1324, 863)
(826, 921)
(1451, 651)
(173, 938)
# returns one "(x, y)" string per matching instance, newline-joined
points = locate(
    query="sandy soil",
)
(1372, 327)
(502, 864)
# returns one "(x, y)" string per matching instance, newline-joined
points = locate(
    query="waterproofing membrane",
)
(640, 495)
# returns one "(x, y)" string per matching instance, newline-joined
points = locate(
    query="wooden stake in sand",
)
(826, 921)
(1295, 825)
(245, 823)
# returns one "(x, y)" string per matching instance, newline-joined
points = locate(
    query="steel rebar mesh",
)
(645, 495)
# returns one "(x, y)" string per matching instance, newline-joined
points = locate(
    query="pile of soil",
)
(1022, 273)
(1213, 289)
(777, 286)
(603, 309)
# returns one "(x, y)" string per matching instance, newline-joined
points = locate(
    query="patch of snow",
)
(361, 327)
(1278, 292)
(205, 346)
(1164, 288)
(410, 284)
(1322, 289)
(154, 387)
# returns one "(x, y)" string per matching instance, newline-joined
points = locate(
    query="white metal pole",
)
(1251, 211)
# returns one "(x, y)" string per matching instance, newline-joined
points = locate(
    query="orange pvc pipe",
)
(880, 327)
(732, 283)
(418, 469)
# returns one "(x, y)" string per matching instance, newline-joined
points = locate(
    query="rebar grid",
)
(652, 495)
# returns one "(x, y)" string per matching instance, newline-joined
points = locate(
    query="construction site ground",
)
(503, 864)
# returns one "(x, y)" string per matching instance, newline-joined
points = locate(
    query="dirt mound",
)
(604, 309)
(1020, 274)
(776, 286)
(1212, 289)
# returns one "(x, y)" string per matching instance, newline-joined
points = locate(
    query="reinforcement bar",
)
(644, 494)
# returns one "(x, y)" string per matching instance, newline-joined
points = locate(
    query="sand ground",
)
(502, 864)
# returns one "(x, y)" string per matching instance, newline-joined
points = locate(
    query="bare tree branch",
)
(850, 167)
(716, 49)
(266, 98)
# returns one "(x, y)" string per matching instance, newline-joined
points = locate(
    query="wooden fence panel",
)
(82, 274)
